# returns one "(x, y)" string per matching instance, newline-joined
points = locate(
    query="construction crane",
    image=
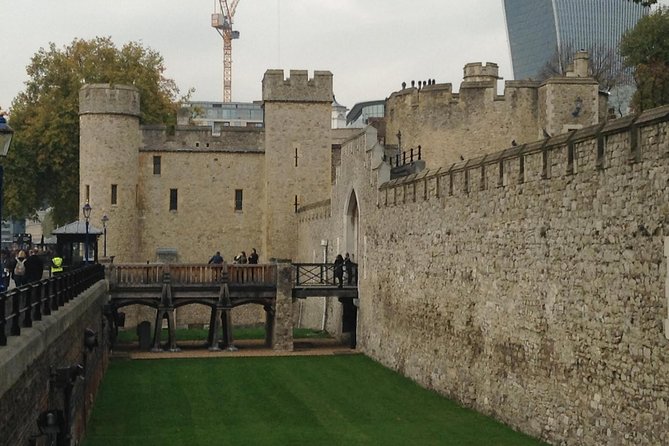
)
(222, 20)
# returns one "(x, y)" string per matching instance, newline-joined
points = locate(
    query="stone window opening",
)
(521, 169)
(87, 194)
(601, 152)
(114, 194)
(570, 158)
(546, 168)
(173, 199)
(635, 152)
(156, 165)
(239, 200)
(500, 179)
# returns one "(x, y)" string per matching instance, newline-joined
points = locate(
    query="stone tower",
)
(572, 101)
(108, 163)
(297, 152)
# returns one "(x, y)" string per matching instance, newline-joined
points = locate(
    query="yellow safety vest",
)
(56, 265)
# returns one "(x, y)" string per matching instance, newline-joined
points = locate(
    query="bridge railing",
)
(191, 274)
(260, 274)
(136, 274)
(20, 307)
(323, 274)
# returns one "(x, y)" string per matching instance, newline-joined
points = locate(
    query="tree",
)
(42, 169)
(646, 49)
(645, 2)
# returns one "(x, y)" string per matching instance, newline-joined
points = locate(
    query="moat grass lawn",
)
(317, 401)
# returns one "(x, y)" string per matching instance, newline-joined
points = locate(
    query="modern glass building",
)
(538, 29)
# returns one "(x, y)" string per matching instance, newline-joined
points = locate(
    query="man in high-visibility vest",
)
(56, 265)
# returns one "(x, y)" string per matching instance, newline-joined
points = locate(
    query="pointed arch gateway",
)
(351, 236)
(351, 226)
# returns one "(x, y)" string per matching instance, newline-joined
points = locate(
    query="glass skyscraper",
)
(540, 29)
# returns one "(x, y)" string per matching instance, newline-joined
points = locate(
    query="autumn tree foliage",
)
(42, 168)
(645, 48)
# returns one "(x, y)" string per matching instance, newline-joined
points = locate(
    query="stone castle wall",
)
(206, 220)
(297, 152)
(27, 362)
(529, 284)
(453, 126)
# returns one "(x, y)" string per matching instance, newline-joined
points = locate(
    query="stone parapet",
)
(109, 99)
(298, 87)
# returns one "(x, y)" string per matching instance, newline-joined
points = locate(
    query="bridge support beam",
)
(170, 314)
(282, 327)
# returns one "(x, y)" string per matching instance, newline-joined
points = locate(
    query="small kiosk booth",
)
(77, 243)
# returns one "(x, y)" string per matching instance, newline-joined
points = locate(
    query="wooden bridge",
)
(167, 287)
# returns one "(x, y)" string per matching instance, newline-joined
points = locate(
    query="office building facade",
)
(540, 29)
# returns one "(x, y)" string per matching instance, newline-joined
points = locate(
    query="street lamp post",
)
(87, 215)
(6, 134)
(105, 219)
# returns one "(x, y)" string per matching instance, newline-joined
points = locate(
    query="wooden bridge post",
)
(166, 310)
(282, 330)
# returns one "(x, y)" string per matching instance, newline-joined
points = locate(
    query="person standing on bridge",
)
(216, 259)
(253, 257)
(339, 270)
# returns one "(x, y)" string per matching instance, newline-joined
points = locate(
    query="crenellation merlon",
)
(298, 87)
(478, 71)
(109, 99)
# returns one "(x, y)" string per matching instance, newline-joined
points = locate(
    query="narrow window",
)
(521, 169)
(500, 180)
(635, 155)
(239, 199)
(466, 181)
(173, 199)
(482, 185)
(570, 158)
(114, 194)
(88, 192)
(156, 165)
(601, 147)
(295, 156)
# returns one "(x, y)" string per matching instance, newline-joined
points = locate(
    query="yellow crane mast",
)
(222, 20)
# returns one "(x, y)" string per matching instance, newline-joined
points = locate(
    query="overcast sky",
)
(370, 46)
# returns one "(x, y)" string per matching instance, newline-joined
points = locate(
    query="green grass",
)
(200, 334)
(329, 400)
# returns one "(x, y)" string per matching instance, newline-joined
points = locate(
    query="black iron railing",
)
(20, 307)
(323, 274)
(406, 157)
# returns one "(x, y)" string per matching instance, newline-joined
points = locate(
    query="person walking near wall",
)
(253, 257)
(339, 270)
(56, 265)
(34, 267)
(216, 259)
(241, 258)
(20, 269)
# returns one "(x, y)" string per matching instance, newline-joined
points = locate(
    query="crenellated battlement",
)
(298, 87)
(109, 99)
(479, 72)
(473, 121)
(611, 145)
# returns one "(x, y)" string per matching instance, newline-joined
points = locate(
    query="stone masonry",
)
(528, 284)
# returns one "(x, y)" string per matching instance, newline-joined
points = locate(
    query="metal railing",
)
(323, 274)
(20, 307)
(406, 157)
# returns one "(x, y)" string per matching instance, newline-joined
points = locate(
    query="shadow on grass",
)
(238, 333)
